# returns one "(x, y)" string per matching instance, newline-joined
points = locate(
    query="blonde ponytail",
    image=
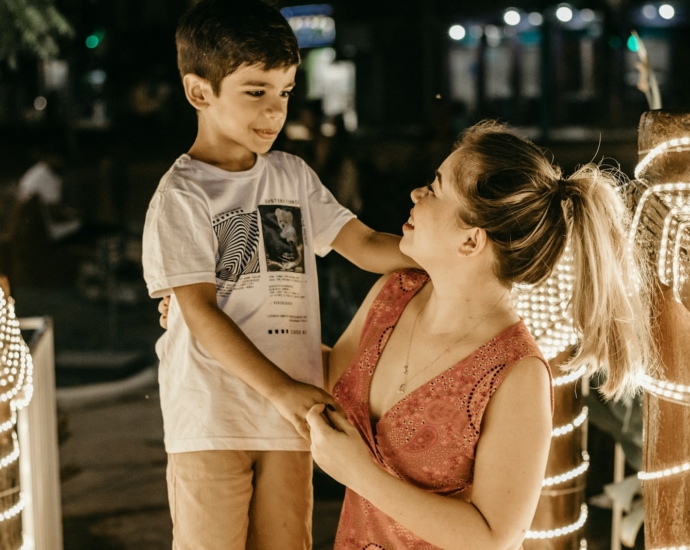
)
(611, 302)
(530, 212)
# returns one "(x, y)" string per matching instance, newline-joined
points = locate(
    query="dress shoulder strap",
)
(393, 297)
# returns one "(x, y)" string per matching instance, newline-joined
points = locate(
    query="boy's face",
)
(251, 107)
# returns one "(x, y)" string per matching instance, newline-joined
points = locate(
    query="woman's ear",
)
(198, 91)
(474, 241)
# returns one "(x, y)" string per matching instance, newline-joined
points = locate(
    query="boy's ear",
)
(474, 241)
(198, 91)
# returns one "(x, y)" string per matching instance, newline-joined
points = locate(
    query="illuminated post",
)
(562, 511)
(15, 393)
(661, 198)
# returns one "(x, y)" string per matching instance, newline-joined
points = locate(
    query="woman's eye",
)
(428, 186)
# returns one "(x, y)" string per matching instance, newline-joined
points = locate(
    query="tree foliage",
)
(30, 26)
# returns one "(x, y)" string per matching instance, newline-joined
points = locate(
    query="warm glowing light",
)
(559, 532)
(564, 13)
(14, 510)
(545, 309)
(457, 32)
(568, 428)
(675, 470)
(667, 11)
(512, 17)
(571, 474)
(677, 393)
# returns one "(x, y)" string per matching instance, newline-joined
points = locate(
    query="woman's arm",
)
(344, 349)
(509, 468)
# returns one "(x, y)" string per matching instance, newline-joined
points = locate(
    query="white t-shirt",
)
(42, 181)
(254, 235)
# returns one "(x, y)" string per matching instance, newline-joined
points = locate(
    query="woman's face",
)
(432, 231)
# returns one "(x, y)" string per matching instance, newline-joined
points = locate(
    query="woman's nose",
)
(418, 193)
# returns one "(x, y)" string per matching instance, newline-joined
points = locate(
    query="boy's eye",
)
(255, 93)
(288, 93)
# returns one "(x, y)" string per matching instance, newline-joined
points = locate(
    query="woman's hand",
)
(338, 448)
(163, 307)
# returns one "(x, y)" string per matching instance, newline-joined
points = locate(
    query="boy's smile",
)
(245, 117)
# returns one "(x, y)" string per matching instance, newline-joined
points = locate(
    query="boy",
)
(231, 234)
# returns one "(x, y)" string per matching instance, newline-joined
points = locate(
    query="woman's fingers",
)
(338, 420)
(164, 305)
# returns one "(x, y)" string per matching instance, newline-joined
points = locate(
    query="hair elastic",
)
(562, 189)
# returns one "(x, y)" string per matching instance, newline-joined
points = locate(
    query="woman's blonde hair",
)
(531, 212)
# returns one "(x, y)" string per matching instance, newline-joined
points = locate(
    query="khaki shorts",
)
(237, 500)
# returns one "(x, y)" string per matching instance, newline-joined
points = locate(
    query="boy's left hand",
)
(337, 447)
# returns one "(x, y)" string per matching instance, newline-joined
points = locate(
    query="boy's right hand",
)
(296, 400)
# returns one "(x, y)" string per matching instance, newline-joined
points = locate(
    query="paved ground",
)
(113, 479)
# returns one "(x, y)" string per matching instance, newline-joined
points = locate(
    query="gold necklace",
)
(403, 386)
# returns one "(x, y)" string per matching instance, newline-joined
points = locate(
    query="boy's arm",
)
(224, 340)
(370, 250)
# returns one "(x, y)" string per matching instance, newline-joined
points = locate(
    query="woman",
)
(447, 400)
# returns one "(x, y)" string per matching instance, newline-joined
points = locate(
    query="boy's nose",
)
(276, 109)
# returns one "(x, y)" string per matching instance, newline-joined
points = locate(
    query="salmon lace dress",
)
(428, 438)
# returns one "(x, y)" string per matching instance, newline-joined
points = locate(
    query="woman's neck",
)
(455, 303)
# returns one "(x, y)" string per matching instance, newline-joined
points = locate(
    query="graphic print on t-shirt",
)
(238, 248)
(282, 231)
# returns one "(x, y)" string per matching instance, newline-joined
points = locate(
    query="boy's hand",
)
(296, 400)
(163, 307)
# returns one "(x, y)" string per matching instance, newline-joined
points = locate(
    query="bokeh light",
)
(649, 11)
(40, 103)
(457, 32)
(564, 13)
(512, 17)
(92, 41)
(667, 11)
(535, 18)
(587, 15)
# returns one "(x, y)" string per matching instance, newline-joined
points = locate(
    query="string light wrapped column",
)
(660, 197)
(562, 511)
(16, 388)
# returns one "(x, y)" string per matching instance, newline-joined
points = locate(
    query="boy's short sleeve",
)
(327, 214)
(179, 243)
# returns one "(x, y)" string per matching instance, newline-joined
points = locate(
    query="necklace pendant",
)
(401, 389)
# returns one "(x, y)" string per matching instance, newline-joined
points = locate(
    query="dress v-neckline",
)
(374, 423)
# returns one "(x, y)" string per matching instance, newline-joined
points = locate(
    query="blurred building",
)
(381, 64)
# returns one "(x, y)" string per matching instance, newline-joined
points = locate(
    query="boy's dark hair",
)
(215, 37)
